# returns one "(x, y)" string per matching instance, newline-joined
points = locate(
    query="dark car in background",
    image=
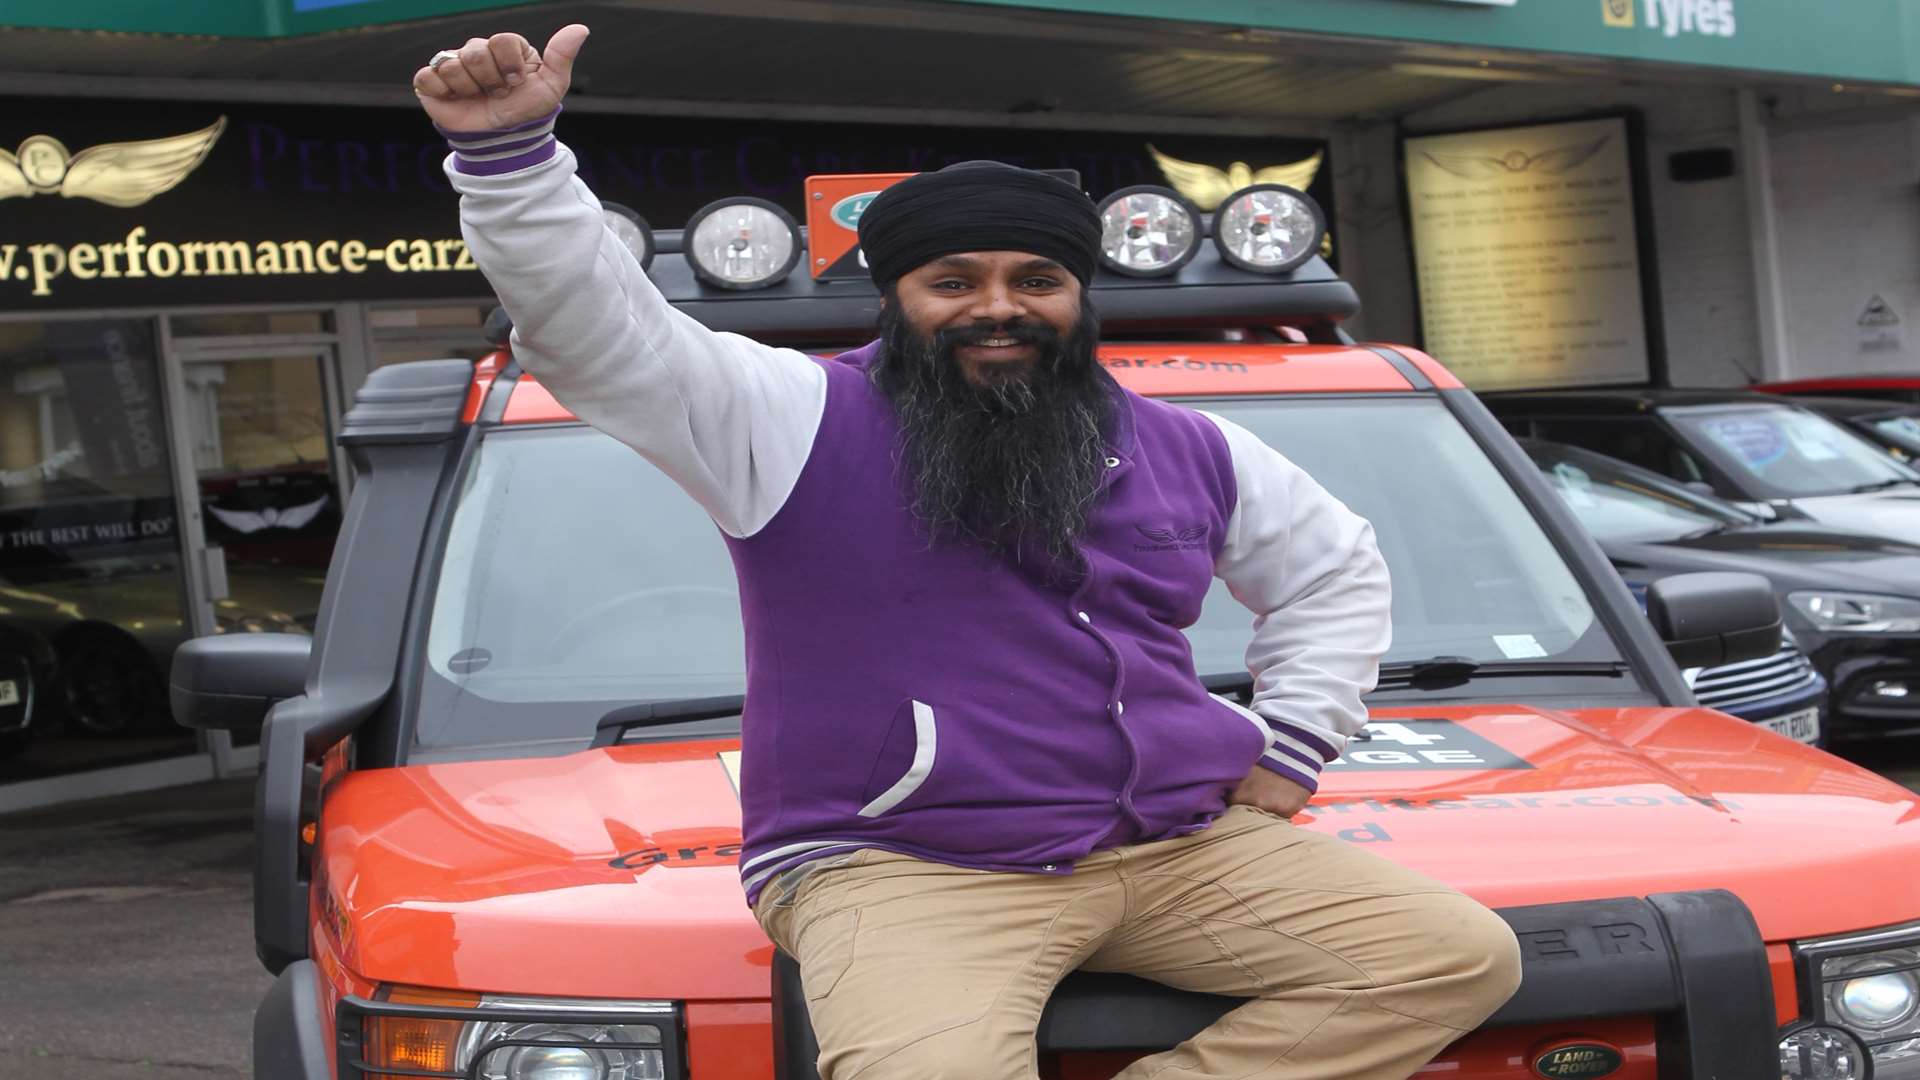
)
(1893, 425)
(1852, 600)
(1762, 452)
(24, 661)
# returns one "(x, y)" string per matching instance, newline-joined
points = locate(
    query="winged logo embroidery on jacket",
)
(118, 174)
(1173, 536)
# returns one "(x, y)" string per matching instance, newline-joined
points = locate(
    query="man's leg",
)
(1358, 969)
(919, 971)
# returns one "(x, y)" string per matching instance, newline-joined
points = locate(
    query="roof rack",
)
(1207, 292)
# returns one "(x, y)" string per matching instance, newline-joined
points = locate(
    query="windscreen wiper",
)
(1440, 672)
(613, 726)
(1881, 485)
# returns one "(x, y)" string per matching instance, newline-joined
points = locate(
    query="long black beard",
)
(1014, 464)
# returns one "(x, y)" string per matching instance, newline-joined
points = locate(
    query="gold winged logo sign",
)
(1207, 187)
(1485, 167)
(118, 174)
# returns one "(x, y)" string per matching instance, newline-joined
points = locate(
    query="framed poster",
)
(1529, 256)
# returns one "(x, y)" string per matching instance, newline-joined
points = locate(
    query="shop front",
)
(190, 294)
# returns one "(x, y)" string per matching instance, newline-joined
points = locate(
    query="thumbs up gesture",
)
(499, 82)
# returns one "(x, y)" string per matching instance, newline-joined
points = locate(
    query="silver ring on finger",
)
(442, 57)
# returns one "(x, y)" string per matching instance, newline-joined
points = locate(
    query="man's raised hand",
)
(499, 82)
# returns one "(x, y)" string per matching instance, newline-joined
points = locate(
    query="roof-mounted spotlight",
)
(631, 230)
(1147, 231)
(741, 243)
(1268, 228)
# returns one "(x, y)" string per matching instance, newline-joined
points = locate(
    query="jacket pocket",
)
(924, 743)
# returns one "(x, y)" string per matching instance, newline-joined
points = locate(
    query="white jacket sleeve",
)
(1309, 570)
(729, 419)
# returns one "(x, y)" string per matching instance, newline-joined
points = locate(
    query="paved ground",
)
(126, 934)
(126, 938)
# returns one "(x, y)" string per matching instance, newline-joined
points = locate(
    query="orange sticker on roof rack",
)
(834, 206)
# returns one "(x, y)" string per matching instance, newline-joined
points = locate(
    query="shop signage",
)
(1526, 250)
(1714, 18)
(1850, 41)
(118, 174)
(217, 204)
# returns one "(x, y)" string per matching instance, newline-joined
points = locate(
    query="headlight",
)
(1858, 613)
(1268, 228)
(513, 1051)
(1869, 984)
(631, 230)
(1147, 231)
(741, 243)
(471, 1037)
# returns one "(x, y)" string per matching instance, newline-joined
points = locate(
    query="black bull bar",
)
(1693, 961)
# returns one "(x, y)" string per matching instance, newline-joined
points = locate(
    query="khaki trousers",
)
(1354, 968)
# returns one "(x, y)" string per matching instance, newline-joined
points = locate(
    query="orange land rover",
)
(497, 816)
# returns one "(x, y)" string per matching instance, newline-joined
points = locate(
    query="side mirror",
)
(229, 682)
(1712, 619)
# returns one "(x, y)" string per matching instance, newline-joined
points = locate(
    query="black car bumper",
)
(1875, 686)
(1695, 962)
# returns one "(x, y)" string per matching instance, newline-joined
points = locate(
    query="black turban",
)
(978, 206)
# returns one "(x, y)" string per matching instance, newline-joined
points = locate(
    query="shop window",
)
(437, 332)
(90, 584)
(235, 323)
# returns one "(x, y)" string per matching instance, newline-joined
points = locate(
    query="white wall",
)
(1701, 233)
(1846, 189)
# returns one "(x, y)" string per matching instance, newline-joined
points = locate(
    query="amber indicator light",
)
(417, 1045)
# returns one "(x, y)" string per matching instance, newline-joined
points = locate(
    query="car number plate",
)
(1803, 726)
(9, 692)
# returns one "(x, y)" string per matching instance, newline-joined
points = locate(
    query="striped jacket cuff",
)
(492, 153)
(1298, 753)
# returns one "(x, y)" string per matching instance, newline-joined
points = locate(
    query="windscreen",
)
(1787, 452)
(577, 578)
(1616, 501)
(1474, 575)
(1904, 430)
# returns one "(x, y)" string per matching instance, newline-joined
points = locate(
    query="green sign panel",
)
(1845, 40)
(230, 18)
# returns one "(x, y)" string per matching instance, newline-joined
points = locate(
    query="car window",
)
(1786, 452)
(1635, 440)
(577, 578)
(1616, 501)
(1474, 574)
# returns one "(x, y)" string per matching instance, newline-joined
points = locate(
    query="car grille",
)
(1734, 685)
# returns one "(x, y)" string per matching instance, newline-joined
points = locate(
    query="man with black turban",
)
(976, 754)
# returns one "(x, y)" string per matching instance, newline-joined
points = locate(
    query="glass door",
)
(264, 497)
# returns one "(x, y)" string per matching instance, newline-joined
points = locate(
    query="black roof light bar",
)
(1206, 292)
